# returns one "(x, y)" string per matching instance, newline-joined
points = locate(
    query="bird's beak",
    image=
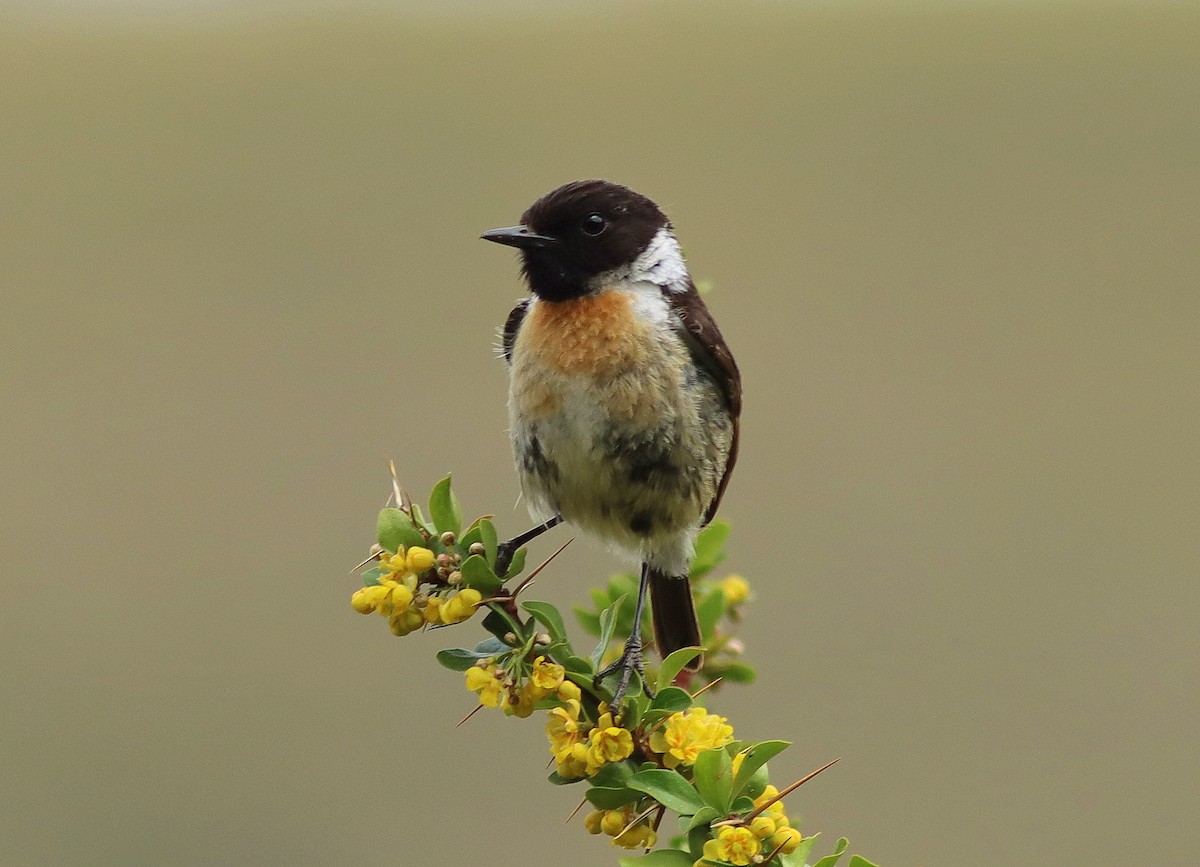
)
(519, 236)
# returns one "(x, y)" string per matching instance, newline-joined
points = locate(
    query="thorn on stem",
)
(468, 716)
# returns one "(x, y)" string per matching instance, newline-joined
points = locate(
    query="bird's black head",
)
(578, 231)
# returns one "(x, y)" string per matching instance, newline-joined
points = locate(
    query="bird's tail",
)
(675, 623)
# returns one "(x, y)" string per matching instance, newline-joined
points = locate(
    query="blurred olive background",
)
(954, 249)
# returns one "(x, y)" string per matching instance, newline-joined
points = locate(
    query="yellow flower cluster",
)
(497, 689)
(686, 735)
(396, 596)
(581, 749)
(614, 823)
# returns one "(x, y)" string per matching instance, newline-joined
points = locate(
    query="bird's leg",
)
(506, 550)
(631, 657)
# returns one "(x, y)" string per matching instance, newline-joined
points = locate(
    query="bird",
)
(624, 399)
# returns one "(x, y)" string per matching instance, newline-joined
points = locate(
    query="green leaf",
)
(613, 775)
(633, 710)
(860, 861)
(469, 538)
(671, 699)
(659, 858)
(757, 784)
(709, 611)
(830, 860)
(669, 789)
(478, 574)
(608, 622)
(673, 664)
(460, 659)
(500, 624)
(757, 755)
(713, 776)
(371, 577)
(487, 535)
(703, 817)
(742, 805)
(492, 646)
(548, 616)
(589, 621)
(393, 528)
(605, 798)
(581, 668)
(516, 565)
(710, 546)
(696, 838)
(560, 780)
(421, 521)
(444, 508)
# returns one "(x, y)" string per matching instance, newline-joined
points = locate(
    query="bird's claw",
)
(629, 662)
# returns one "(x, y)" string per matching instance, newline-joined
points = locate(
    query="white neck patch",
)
(661, 263)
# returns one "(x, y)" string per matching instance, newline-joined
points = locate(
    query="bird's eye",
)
(594, 224)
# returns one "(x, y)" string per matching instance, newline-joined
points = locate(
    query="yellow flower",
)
(433, 610)
(562, 729)
(546, 677)
(736, 845)
(735, 589)
(404, 622)
(607, 743)
(367, 599)
(574, 765)
(521, 706)
(396, 563)
(686, 735)
(395, 600)
(461, 606)
(568, 691)
(485, 682)
(418, 559)
(787, 839)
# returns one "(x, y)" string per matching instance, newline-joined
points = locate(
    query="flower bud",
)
(612, 822)
(763, 827)
(592, 821)
(787, 839)
(447, 538)
(478, 548)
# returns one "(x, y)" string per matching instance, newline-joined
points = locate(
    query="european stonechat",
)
(623, 397)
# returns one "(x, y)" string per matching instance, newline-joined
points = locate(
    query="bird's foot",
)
(629, 662)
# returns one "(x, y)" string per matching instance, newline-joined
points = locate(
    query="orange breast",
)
(590, 336)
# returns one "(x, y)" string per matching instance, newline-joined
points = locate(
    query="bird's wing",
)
(710, 352)
(511, 326)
